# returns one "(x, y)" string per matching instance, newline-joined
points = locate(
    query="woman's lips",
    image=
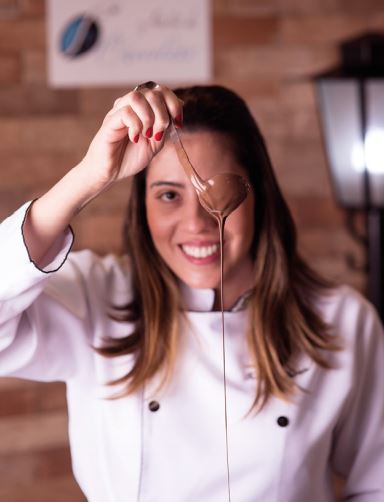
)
(201, 254)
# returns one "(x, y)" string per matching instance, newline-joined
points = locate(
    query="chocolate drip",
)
(220, 196)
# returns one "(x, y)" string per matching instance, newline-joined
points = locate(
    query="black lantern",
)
(351, 102)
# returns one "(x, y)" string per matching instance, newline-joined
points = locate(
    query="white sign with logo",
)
(115, 42)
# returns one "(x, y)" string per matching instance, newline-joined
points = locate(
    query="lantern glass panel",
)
(374, 140)
(339, 106)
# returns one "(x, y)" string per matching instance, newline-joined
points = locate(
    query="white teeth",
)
(200, 251)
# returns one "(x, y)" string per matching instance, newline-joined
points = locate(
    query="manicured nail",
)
(179, 121)
(136, 138)
(159, 135)
(149, 133)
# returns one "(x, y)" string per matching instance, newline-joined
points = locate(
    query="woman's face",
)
(184, 234)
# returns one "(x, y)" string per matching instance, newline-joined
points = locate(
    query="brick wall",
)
(267, 50)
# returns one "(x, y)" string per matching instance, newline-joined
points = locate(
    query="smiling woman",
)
(137, 339)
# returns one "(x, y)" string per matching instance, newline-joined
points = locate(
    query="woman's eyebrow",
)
(167, 183)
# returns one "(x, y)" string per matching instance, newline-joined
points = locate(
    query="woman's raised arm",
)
(131, 134)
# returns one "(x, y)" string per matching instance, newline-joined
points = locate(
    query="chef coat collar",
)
(203, 299)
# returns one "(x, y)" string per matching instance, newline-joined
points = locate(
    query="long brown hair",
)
(283, 319)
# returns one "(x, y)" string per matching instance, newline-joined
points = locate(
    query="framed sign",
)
(113, 42)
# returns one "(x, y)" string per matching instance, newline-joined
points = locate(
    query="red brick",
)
(29, 432)
(10, 200)
(245, 7)
(252, 89)
(310, 212)
(232, 31)
(10, 69)
(110, 203)
(278, 121)
(47, 134)
(100, 232)
(36, 99)
(34, 8)
(9, 8)
(299, 7)
(26, 467)
(59, 489)
(334, 243)
(307, 6)
(94, 101)
(337, 271)
(33, 398)
(360, 6)
(328, 251)
(376, 21)
(7, 383)
(297, 94)
(300, 167)
(23, 169)
(16, 9)
(278, 62)
(22, 34)
(34, 67)
(321, 29)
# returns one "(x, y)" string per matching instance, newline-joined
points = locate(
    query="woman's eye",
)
(168, 196)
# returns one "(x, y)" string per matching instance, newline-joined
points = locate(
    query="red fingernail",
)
(159, 135)
(136, 138)
(179, 121)
(149, 133)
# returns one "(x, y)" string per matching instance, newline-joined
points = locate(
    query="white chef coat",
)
(123, 451)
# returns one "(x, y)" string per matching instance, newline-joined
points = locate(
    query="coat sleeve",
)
(30, 321)
(358, 453)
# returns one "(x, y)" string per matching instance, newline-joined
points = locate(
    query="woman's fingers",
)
(156, 100)
(140, 105)
(174, 105)
(133, 112)
(165, 104)
(145, 112)
(122, 122)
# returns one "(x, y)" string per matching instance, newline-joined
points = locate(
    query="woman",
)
(304, 360)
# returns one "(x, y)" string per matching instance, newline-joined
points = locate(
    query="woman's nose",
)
(197, 218)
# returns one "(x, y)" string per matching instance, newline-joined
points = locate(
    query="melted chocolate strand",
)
(220, 196)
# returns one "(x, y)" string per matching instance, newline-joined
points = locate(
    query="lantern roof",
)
(361, 57)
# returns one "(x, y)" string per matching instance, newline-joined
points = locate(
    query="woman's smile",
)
(202, 253)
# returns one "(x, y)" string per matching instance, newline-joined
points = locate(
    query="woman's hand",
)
(131, 134)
